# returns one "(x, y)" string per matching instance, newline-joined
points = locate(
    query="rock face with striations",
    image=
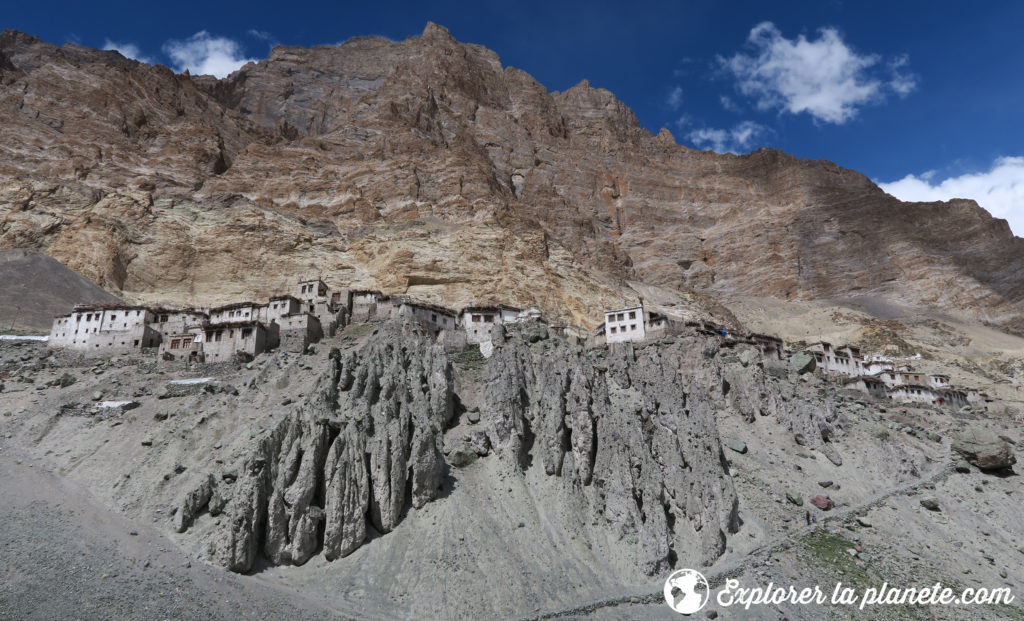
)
(634, 431)
(426, 167)
(627, 436)
(368, 438)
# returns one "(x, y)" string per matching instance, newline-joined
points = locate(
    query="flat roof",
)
(627, 308)
(233, 324)
(489, 308)
(236, 305)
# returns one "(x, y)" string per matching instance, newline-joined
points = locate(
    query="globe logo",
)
(686, 591)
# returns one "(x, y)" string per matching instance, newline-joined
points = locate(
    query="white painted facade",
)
(624, 324)
(104, 330)
(232, 313)
(478, 321)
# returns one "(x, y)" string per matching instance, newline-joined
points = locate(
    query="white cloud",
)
(1000, 190)
(728, 103)
(128, 50)
(738, 138)
(260, 34)
(824, 77)
(204, 54)
(675, 98)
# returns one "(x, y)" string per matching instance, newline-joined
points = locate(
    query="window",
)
(246, 333)
(113, 317)
(632, 326)
(136, 343)
(175, 343)
(433, 317)
(632, 314)
(614, 329)
(476, 318)
(620, 317)
(219, 335)
(163, 318)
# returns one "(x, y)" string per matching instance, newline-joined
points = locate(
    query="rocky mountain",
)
(27, 306)
(426, 167)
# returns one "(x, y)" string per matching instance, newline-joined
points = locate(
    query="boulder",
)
(823, 502)
(461, 456)
(984, 449)
(736, 445)
(794, 497)
(480, 443)
(802, 363)
(931, 504)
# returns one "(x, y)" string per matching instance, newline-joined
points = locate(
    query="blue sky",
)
(926, 94)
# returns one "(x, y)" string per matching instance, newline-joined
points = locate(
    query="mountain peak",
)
(436, 31)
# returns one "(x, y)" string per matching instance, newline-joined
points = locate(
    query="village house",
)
(771, 347)
(433, 317)
(624, 324)
(103, 329)
(317, 300)
(846, 360)
(366, 305)
(914, 393)
(477, 321)
(868, 385)
(297, 331)
(279, 306)
(240, 340)
(187, 346)
(168, 321)
(237, 312)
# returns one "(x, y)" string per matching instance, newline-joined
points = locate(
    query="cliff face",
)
(424, 166)
(628, 438)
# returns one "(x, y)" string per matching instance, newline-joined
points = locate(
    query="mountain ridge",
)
(425, 166)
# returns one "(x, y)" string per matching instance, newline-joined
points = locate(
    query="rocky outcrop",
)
(627, 436)
(984, 449)
(366, 442)
(633, 430)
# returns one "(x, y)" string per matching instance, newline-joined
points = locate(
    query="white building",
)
(104, 329)
(846, 360)
(237, 312)
(477, 321)
(279, 306)
(328, 308)
(624, 324)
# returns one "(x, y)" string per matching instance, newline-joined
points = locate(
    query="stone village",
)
(291, 322)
